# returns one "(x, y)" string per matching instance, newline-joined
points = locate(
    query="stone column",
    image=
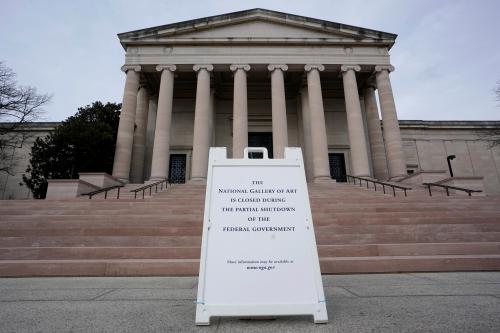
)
(139, 147)
(306, 129)
(150, 135)
(355, 127)
(202, 136)
(375, 134)
(278, 102)
(392, 136)
(125, 136)
(161, 147)
(212, 119)
(240, 110)
(319, 143)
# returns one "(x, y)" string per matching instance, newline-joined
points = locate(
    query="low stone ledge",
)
(68, 188)
(424, 176)
(470, 183)
(100, 179)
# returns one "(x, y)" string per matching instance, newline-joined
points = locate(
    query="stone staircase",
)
(357, 230)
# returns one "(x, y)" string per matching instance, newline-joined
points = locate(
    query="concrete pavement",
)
(418, 302)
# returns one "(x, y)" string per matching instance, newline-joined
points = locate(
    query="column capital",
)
(169, 67)
(135, 68)
(235, 67)
(309, 67)
(345, 68)
(207, 67)
(380, 68)
(272, 67)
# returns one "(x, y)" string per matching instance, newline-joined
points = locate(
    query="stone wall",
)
(19, 161)
(426, 143)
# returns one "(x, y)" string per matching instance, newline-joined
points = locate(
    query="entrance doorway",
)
(261, 139)
(177, 168)
(337, 167)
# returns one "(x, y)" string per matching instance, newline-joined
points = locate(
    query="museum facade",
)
(257, 78)
(262, 78)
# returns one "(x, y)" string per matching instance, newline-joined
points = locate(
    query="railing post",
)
(135, 195)
(405, 191)
(367, 184)
(447, 192)
(105, 195)
(118, 195)
(143, 193)
(394, 191)
(430, 192)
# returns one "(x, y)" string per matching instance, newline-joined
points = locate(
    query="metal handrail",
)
(375, 182)
(448, 187)
(105, 190)
(150, 187)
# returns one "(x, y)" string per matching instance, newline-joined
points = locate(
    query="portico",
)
(212, 81)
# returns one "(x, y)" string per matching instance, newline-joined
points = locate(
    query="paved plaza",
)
(419, 302)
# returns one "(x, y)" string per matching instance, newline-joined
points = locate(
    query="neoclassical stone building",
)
(264, 78)
(257, 78)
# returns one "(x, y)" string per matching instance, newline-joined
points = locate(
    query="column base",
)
(323, 180)
(123, 180)
(197, 181)
(154, 179)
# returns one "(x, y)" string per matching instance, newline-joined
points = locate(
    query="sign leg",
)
(202, 316)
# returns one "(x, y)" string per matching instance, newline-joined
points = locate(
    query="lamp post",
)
(448, 159)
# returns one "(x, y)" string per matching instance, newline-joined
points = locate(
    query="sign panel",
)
(259, 255)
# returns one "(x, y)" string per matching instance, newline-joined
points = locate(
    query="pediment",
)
(255, 25)
(258, 28)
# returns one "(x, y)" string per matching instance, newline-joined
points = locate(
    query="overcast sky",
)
(447, 54)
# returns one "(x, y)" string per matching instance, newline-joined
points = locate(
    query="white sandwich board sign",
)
(258, 252)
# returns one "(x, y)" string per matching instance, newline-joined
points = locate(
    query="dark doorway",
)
(261, 139)
(337, 167)
(177, 168)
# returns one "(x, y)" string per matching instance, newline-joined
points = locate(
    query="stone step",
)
(407, 237)
(409, 249)
(103, 231)
(99, 241)
(118, 229)
(193, 252)
(96, 267)
(82, 253)
(321, 239)
(189, 267)
(396, 264)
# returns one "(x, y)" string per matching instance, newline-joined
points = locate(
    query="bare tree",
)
(492, 134)
(19, 106)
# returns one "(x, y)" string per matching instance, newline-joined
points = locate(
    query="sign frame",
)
(205, 310)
